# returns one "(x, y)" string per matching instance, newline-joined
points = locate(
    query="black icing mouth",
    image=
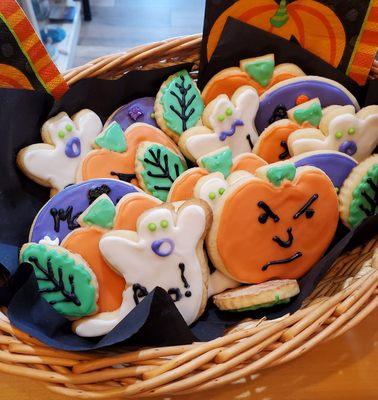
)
(295, 256)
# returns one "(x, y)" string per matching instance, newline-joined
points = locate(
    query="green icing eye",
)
(69, 128)
(212, 196)
(221, 118)
(221, 191)
(164, 223)
(152, 227)
(61, 134)
(152, 115)
(338, 135)
(229, 111)
(351, 131)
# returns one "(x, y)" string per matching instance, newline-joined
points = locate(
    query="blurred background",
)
(78, 31)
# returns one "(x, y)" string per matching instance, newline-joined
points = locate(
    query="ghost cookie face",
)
(139, 110)
(291, 92)
(259, 73)
(228, 122)
(115, 152)
(55, 162)
(343, 130)
(166, 250)
(359, 193)
(178, 105)
(276, 224)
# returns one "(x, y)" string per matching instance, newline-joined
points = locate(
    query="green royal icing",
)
(62, 282)
(280, 172)
(281, 16)
(112, 138)
(161, 168)
(101, 213)
(182, 103)
(312, 114)
(264, 305)
(260, 71)
(219, 162)
(364, 198)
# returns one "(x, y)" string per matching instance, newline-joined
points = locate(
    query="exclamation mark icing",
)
(188, 293)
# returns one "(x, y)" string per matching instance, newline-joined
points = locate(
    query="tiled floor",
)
(120, 24)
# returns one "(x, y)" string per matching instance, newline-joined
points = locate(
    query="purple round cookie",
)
(275, 102)
(336, 165)
(139, 110)
(57, 218)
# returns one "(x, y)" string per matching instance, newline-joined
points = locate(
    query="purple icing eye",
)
(135, 113)
(163, 247)
(73, 147)
(348, 147)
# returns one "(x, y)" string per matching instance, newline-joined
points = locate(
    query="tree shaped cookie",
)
(166, 250)
(64, 279)
(227, 123)
(115, 152)
(342, 129)
(67, 141)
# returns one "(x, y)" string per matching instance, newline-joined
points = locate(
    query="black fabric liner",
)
(155, 321)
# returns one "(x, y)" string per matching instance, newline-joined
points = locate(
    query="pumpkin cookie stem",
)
(281, 16)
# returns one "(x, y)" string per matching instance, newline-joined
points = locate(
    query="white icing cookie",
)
(349, 132)
(166, 251)
(67, 141)
(227, 123)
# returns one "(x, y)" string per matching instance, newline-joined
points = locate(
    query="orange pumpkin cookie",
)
(115, 153)
(259, 72)
(100, 217)
(276, 224)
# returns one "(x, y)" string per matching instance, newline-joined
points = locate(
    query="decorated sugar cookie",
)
(64, 279)
(139, 110)
(336, 165)
(184, 186)
(166, 250)
(227, 123)
(285, 95)
(254, 297)
(54, 163)
(100, 217)
(178, 105)
(115, 153)
(58, 217)
(276, 224)
(260, 73)
(272, 143)
(354, 134)
(157, 167)
(359, 193)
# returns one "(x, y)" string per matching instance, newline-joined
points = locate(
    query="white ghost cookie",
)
(166, 251)
(227, 123)
(341, 129)
(66, 142)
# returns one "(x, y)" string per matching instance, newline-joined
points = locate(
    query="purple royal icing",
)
(156, 245)
(138, 110)
(348, 147)
(286, 95)
(336, 166)
(77, 197)
(73, 147)
(225, 134)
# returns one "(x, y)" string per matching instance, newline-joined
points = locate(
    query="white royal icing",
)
(50, 162)
(227, 130)
(48, 241)
(210, 188)
(349, 133)
(135, 256)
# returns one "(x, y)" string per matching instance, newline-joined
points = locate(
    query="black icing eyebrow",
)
(311, 200)
(268, 213)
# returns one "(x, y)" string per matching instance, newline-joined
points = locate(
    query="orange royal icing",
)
(244, 245)
(100, 163)
(183, 187)
(247, 162)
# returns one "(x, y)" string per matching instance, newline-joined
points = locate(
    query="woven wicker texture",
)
(346, 295)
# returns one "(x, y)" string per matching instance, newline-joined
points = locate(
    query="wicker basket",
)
(346, 295)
